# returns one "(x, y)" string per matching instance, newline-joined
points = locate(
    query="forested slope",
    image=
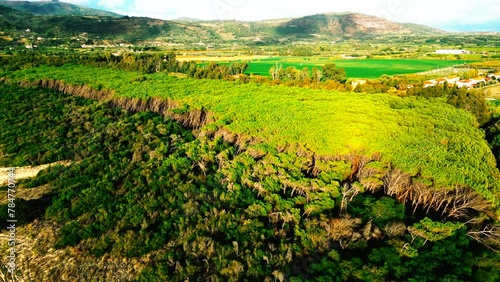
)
(265, 183)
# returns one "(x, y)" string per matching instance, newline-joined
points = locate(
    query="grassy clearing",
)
(426, 138)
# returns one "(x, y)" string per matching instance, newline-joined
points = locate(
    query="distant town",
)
(470, 83)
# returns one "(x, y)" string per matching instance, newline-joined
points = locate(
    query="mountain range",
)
(57, 19)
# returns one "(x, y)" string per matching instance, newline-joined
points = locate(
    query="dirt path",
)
(25, 172)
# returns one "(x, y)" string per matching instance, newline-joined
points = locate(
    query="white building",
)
(470, 83)
(452, 52)
(430, 83)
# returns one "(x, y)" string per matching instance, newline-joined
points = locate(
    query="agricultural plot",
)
(357, 68)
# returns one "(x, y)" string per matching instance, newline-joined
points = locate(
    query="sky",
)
(447, 14)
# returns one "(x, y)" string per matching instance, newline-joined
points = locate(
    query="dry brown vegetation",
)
(37, 260)
(489, 236)
(27, 194)
(459, 202)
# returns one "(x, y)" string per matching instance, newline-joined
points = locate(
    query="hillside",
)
(19, 25)
(321, 25)
(56, 8)
(260, 183)
(346, 24)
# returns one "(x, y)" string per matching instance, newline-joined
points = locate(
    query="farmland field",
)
(357, 68)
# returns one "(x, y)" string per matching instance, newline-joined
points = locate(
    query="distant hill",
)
(12, 19)
(141, 29)
(56, 8)
(346, 24)
(320, 25)
(130, 29)
(422, 29)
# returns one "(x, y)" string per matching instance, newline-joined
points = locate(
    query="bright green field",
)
(426, 138)
(369, 68)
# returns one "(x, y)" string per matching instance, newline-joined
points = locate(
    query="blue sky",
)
(438, 13)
